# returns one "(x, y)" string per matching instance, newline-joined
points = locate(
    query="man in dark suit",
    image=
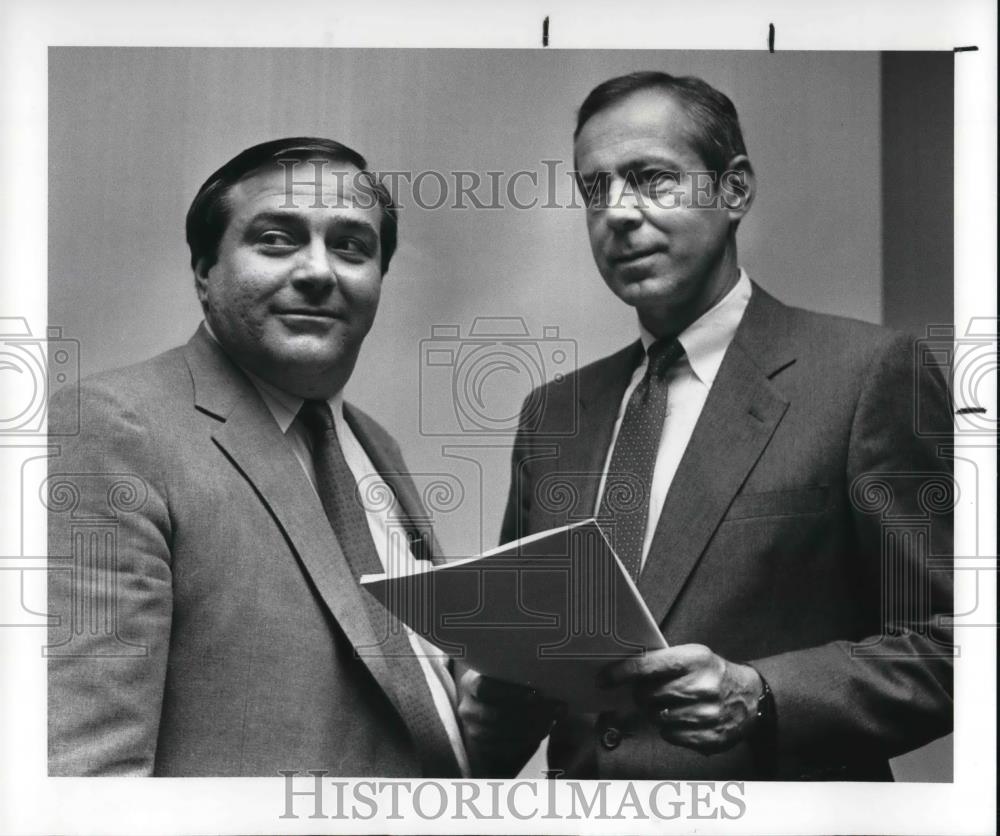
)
(212, 622)
(758, 470)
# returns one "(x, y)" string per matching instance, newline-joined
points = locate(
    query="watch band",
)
(763, 738)
(765, 705)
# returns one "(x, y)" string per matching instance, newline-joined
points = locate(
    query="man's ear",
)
(737, 187)
(201, 269)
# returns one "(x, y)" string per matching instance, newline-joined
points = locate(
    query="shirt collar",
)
(284, 406)
(706, 339)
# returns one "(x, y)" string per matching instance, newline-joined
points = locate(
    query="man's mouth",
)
(628, 257)
(309, 313)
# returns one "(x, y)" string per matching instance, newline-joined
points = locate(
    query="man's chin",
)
(316, 360)
(311, 345)
(298, 363)
(650, 291)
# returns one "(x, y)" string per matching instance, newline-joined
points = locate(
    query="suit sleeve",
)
(888, 692)
(109, 590)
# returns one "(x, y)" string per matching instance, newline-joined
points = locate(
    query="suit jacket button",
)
(611, 738)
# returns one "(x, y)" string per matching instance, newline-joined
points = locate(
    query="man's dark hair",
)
(714, 126)
(208, 216)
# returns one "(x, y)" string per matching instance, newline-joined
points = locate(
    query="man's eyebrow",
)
(593, 174)
(275, 217)
(664, 162)
(292, 217)
(354, 225)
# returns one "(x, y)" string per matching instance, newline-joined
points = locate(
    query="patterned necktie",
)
(625, 501)
(338, 491)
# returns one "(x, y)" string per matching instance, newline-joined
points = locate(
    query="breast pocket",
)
(786, 503)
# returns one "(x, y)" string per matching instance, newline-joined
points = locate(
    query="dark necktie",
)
(625, 502)
(338, 491)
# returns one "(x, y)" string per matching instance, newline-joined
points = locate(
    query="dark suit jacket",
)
(807, 531)
(210, 622)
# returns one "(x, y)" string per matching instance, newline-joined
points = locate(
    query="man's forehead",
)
(303, 184)
(647, 121)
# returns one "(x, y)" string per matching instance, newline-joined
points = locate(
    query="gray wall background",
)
(133, 132)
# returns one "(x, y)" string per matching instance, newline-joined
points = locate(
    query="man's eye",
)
(352, 246)
(658, 180)
(275, 238)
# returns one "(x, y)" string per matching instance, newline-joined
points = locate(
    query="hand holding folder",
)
(548, 611)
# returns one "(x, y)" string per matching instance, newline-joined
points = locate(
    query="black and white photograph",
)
(502, 424)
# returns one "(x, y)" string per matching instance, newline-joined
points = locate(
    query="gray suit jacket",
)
(207, 622)
(807, 531)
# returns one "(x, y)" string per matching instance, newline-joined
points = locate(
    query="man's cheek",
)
(372, 296)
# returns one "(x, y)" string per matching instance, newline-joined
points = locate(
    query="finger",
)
(482, 730)
(655, 696)
(508, 720)
(706, 741)
(691, 687)
(488, 689)
(502, 735)
(659, 664)
(694, 657)
(484, 714)
(687, 717)
(699, 671)
(679, 689)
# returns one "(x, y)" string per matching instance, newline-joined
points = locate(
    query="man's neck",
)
(671, 322)
(319, 387)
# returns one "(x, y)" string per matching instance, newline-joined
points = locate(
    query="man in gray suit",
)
(760, 474)
(216, 626)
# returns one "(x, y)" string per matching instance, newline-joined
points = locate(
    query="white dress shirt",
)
(385, 524)
(688, 381)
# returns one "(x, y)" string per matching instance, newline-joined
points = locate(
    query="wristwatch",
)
(766, 714)
(763, 738)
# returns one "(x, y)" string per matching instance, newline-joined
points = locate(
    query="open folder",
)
(548, 611)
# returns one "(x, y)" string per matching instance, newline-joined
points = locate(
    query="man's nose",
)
(314, 267)
(624, 207)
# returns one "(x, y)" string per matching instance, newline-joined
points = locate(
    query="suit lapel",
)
(394, 473)
(429, 735)
(741, 413)
(252, 440)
